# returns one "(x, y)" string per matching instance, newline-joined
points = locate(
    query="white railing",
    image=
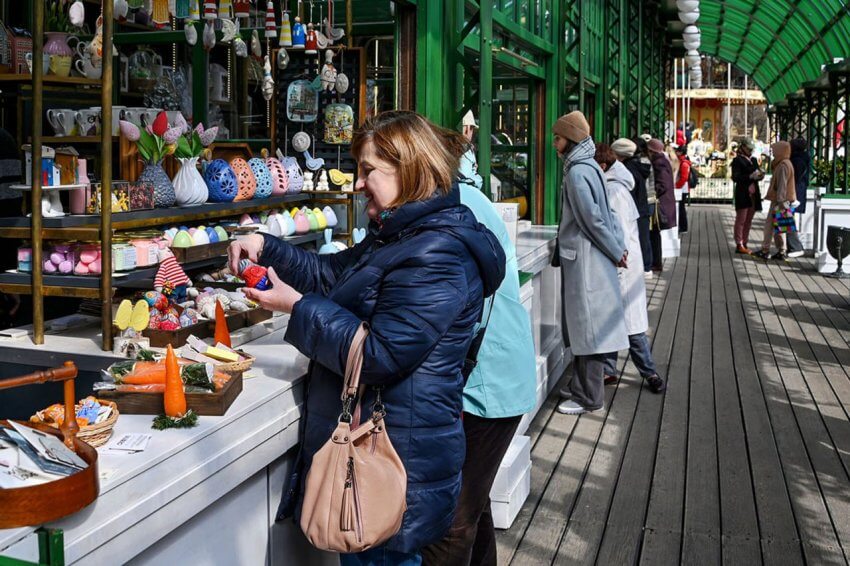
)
(715, 190)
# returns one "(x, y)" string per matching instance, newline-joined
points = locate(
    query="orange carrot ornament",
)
(175, 398)
(222, 334)
(176, 415)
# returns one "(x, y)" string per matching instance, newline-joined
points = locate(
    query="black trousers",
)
(683, 214)
(655, 242)
(645, 246)
(472, 537)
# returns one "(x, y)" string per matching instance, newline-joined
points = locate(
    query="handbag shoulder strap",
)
(354, 363)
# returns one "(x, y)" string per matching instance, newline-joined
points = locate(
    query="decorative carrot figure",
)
(222, 334)
(176, 414)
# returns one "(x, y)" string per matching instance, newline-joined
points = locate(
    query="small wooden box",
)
(204, 329)
(210, 404)
(204, 251)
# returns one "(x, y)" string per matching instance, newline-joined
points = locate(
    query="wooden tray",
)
(198, 253)
(32, 506)
(204, 329)
(211, 404)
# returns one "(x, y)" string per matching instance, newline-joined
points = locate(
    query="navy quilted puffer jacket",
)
(419, 281)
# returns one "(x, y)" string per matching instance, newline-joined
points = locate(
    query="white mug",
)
(88, 122)
(63, 121)
(84, 67)
(133, 115)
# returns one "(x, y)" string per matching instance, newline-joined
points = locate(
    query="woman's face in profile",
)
(378, 181)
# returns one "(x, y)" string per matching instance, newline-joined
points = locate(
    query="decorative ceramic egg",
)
(192, 231)
(320, 218)
(311, 218)
(222, 233)
(263, 177)
(200, 237)
(221, 181)
(245, 179)
(212, 235)
(330, 216)
(302, 224)
(280, 180)
(295, 210)
(273, 224)
(171, 232)
(182, 240)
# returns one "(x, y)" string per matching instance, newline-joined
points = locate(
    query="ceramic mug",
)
(117, 113)
(85, 67)
(45, 62)
(149, 115)
(60, 65)
(133, 115)
(88, 122)
(63, 121)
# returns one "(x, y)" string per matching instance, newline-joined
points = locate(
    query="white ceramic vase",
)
(189, 185)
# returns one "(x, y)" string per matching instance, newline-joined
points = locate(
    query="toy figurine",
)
(298, 34)
(328, 72)
(311, 42)
(268, 81)
(242, 8)
(308, 181)
(271, 22)
(170, 278)
(210, 11)
(323, 181)
(225, 9)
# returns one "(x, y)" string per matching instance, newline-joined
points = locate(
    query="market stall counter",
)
(204, 491)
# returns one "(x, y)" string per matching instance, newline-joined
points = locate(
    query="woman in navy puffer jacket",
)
(419, 280)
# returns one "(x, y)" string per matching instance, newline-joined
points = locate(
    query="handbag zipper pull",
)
(347, 516)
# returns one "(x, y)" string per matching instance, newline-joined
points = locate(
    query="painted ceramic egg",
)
(311, 218)
(263, 177)
(320, 218)
(212, 235)
(200, 237)
(279, 178)
(273, 225)
(192, 231)
(247, 183)
(222, 233)
(182, 240)
(330, 216)
(221, 181)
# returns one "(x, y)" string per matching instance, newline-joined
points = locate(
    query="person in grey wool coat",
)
(590, 248)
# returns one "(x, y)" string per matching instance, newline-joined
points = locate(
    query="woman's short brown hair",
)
(604, 154)
(407, 141)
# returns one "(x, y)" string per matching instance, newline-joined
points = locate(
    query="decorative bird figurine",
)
(228, 31)
(332, 33)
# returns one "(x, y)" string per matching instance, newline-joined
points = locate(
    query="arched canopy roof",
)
(780, 43)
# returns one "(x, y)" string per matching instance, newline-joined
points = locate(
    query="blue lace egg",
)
(263, 176)
(294, 174)
(221, 181)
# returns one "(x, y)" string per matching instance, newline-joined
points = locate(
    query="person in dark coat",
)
(419, 280)
(665, 198)
(801, 161)
(746, 176)
(626, 151)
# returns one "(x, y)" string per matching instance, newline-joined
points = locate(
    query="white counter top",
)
(146, 496)
(534, 248)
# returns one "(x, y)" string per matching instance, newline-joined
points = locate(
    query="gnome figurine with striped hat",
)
(170, 278)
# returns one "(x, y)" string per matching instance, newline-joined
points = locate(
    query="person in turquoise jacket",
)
(499, 391)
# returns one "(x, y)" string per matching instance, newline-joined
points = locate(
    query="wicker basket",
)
(237, 367)
(97, 434)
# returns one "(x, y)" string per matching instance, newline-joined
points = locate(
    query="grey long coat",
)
(590, 245)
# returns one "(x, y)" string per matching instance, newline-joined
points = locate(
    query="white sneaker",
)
(798, 253)
(647, 275)
(570, 407)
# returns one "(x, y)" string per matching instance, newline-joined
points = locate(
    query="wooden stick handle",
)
(66, 373)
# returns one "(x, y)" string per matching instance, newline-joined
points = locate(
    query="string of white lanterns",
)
(688, 15)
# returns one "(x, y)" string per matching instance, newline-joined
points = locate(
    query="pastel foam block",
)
(221, 354)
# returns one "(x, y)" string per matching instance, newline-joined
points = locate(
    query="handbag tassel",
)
(347, 515)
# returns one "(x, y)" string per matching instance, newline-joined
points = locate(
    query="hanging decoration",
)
(239, 47)
(77, 14)
(181, 9)
(195, 11)
(225, 9)
(210, 12)
(271, 21)
(333, 34)
(298, 34)
(209, 35)
(329, 73)
(256, 46)
(268, 81)
(311, 44)
(159, 12)
(285, 30)
(229, 29)
(120, 10)
(282, 58)
(242, 8)
(191, 34)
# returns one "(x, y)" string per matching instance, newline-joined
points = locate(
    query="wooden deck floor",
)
(743, 461)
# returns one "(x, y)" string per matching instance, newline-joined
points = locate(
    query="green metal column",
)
(431, 54)
(555, 91)
(485, 94)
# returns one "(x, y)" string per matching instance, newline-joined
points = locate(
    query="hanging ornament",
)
(242, 8)
(210, 13)
(159, 12)
(332, 33)
(268, 81)
(77, 14)
(191, 34)
(209, 35)
(311, 44)
(239, 47)
(181, 9)
(195, 11)
(282, 58)
(329, 73)
(229, 30)
(256, 46)
(271, 22)
(225, 9)
(120, 9)
(298, 34)
(285, 31)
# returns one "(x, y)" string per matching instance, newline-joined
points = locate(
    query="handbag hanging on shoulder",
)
(356, 488)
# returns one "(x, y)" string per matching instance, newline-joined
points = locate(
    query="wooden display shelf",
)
(72, 139)
(215, 404)
(345, 193)
(87, 226)
(21, 78)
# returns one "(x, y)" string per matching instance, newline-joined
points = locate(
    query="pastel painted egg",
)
(49, 266)
(68, 266)
(151, 297)
(184, 228)
(171, 232)
(88, 256)
(200, 237)
(212, 235)
(295, 210)
(95, 266)
(182, 240)
(202, 228)
(57, 258)
(222, 233)
(192, 231)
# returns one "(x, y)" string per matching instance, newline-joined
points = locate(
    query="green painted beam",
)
(522, 36)
(485, 101)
